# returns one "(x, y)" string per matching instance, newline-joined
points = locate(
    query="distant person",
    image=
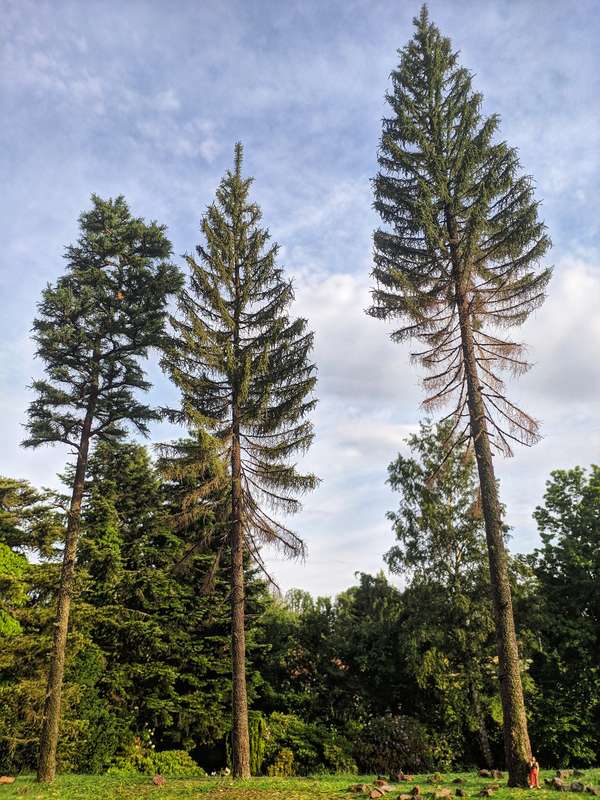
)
(534, 773)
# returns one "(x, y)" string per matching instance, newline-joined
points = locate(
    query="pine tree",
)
(458, 261)
(242, 367)
(94, 327)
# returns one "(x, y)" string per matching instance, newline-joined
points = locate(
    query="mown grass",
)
(332, 787)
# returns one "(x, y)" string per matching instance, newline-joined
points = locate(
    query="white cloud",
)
(167, 101)
(110, 98)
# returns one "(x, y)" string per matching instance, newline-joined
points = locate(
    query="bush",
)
(141, 757)
(283, 766)
(313, 747)
(337, 753)
(393, 743)
(176, 762)
(257, 729)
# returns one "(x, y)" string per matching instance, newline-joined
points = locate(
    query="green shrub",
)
(257, 728)
(137, 757)
(315, 748)
(337, 755)
(283, 765)
(141, 757)
(176, 762)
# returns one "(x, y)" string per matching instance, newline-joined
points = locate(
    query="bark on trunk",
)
(239, 699)
(241, 740)
(484, 741)
(51, 719)
(517, 747)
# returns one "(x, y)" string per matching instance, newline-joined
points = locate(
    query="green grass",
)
(112, 787)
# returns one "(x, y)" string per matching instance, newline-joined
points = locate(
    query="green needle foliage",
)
(457, 261)
(94, 327)
(243, 369)
(165, 642)
(29, 518)
(462, 231)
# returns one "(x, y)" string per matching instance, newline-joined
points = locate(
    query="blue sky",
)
(147, 99)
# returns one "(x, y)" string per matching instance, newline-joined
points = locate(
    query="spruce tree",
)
(243, 369)
(457, 260)
(94, 327)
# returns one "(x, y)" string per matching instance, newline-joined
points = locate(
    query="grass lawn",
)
(111, 787)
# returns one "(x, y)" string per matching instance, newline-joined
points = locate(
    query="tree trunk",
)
(484, 741)
(51, 719)
(517, 747)
(241, 740)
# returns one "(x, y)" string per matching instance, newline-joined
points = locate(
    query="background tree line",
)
(328, 679)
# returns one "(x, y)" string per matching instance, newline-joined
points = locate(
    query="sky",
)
(147, 99)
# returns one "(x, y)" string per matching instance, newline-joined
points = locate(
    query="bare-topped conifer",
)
(457, 261)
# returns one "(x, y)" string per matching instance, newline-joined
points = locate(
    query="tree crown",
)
(97, 323)
(240, 360)
(461, 232)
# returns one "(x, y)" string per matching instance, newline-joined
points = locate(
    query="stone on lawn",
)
(486, 793)
(458, 780)
(496, 773)
(461, 792)
(577, 786)
(485, 773)
(6, 779)
(564, 773)
(557, 783)
(358, 788)
(593, 790)
(159, 780)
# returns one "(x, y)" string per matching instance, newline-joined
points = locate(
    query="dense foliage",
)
(331, 681)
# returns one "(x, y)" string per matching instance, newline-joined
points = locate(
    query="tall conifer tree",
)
(243, 368)
(458, 261)
(94, 327)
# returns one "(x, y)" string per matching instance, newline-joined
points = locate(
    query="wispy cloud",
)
(147, 99)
